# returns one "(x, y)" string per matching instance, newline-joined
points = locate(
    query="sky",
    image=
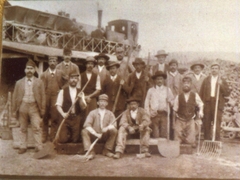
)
(172, 25)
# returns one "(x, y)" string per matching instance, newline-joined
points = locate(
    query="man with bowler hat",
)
(161, 65)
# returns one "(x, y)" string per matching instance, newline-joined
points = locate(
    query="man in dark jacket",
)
(161, 65)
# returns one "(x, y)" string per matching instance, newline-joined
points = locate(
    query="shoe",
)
(117, 155)
(36, 149)
(44, 140)
(91, 155)
(107, 153)
(22, 151)
(147, 154)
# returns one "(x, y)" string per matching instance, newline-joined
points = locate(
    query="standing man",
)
(29, 103)
(185, 105)
(208, 94)
(139, 81)
(67, 66)
(66, 97)
(53, 81)
(100, 124)
(100, 69)
(161, 65)
(197, 77)
(158, 98)
(135, 121)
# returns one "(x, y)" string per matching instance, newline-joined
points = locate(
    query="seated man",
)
(100, 123)
(184, 112)
(135, 120)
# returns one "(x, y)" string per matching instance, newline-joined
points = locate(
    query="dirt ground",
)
(184, 166)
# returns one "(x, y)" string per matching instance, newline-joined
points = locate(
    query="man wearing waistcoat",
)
(69, 132)
(184, 113)
(29, 102)
(161, 65)
(53, 81)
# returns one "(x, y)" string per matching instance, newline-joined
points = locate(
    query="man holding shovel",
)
(135, 121)
(100, 124)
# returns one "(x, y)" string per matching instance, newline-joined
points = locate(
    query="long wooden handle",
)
(116, 99)
(168, 121)
(215, 114)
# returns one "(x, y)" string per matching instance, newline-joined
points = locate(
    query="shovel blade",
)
(169, 149)
(45, 151)
(211, 149)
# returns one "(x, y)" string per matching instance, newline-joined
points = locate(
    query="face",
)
(101, 61)
(67, 57)
(52, 63)
(102, 104)
(187, 86)
(197, 69)
(89, 66)
(113, 70)
(161, 59)
(119, 55)
(173, 67)
(139, 67)
(215, 70)
(159, 80)
(29, 71)
(133, 105)
(73, 80)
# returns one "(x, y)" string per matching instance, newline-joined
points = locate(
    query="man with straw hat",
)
(161, 65)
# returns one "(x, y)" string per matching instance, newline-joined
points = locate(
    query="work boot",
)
(107, 153)
(22, 151)
(147, 154)
(194, 145)
(117, 155)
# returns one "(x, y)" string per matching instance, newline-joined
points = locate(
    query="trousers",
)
(159, 125)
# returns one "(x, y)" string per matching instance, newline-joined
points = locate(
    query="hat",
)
(119, 49)
(173, 61)
(138, 61)
(112, 63)
(52, 57)
(197, 64)
(102, 55)
(103, 97)
(31, 63)
(187, 77)
(90, 59)
(159, 73)
(133, 99)
(161, 53)
(67, 51)
(73, 73)
(215, 63)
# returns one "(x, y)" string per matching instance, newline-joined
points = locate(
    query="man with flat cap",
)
(184, 115)
(161, 65)
(67, 66)
(53, 82)
(158, 98)
(135, 122)
(208, 94)
(69, 133)
(197, 76)
(29, 103)
(100, 69)
(100, 124)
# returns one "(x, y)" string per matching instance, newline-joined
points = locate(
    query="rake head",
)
(211, 149)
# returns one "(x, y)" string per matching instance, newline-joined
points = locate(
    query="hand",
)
(88, 99)
(98, 135)
(122, 82)
(80, 95)
(146, 78)
(141, 127)
(64, 115)
(200, 114)
(131, 130)
(199, 121)
(111, 126)
(105, 129)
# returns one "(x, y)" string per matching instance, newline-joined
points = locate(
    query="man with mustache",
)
(29, 102)
(161, 65)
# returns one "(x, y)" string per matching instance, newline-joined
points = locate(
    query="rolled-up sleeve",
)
(59, 101)
(175, 104)
(98, 83)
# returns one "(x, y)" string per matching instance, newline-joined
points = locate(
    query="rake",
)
(212, 148)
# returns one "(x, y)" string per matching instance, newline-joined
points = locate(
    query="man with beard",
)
(66, 97)
(160, 66)
(184, 113)
(29, 103)
(53, 82)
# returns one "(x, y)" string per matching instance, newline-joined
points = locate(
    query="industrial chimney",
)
(99, 16)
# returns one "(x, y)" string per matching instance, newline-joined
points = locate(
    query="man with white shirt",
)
(197, 76)
(100, 124)
(135, 122)
(53, 82)
(184, 113)
(66, 97)
(161, 65)
(208, 94)
(158, 98)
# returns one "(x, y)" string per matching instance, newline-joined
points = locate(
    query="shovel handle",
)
(215, 114)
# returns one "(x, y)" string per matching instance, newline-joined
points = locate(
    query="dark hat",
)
(103, 97)
(73, 73)
(67, 51)
(187, 77)
(215, 63)
(173, 61)
(112, 63)
(119, 49)
(31, 63)
(102, 55)
(161, 53)
(90, 59)
(159, 73)
(133, 99)
(138, 61)
(196, 64)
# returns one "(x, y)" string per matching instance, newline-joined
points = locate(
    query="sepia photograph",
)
(120, 89)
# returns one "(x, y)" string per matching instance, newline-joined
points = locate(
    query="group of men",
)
(111, 103)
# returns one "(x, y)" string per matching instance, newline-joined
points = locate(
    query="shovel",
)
(48, 149)
(212, 148)
(169, 149)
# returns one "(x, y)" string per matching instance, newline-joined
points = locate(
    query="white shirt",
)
(52, 72)
(100, 68)
(138, 74)
(173, 73)
(102, 113)
(133, 114)
(198, 76)
(213, 85)
(66, 63)
(113, 77)
(161, 66)
(98, 83)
